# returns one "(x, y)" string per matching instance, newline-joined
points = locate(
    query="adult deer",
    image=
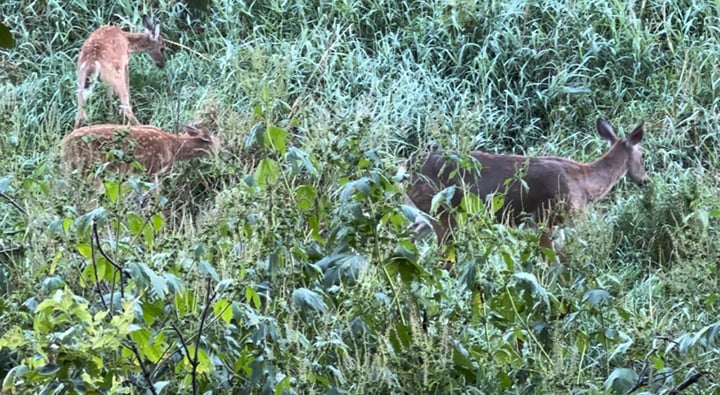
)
(106, 54)
(546, 188)
(153, 148)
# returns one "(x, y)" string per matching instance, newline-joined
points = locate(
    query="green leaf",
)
(223, 310)
(621, 380)
(266, 172)
(306, 300)
(157, 221)
(496, 202)
(596, 297)
(149, 236)
(208, 270)
(149, 347)
(471, 203)
(251, 296)
(345, 268)
(296, 155)
(85, 250)
(305, 196)
(83, 224)
(443, 197)
(361, 185)
(16, 373)
(4, 184)
(135, 223)
(6, 38)
(277, 137)
(112, 190)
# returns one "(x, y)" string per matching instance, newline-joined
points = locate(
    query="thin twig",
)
(110, 260)
(182, 342)
(198, 54)
(13, 203)
(143, 367)
(688, 382)
(208, 299)
(194, 360)
(93, 259)
(131, 345)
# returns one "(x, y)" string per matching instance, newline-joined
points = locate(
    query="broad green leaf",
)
(443, 197)
(4, 184)
(223, 285)
(157, 221)
(361, 185)
(497, 200)
(620, 380)
(83, 224)
(85, 250)
(8, 385)
(14, 338)
(251, 296)
(306, 300)
(149, 236)
(223, 310)
(305, 196)
(67, 222)
(596, 297)
(208, 270)
(345, 268)
(296, 155)
(267, 172)
(277, 138)
(149, 347)
(135, 223)
(112, 190)
(283, 386)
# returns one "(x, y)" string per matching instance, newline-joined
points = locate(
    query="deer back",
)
(529, 185)
(111, 47)
(150, 146)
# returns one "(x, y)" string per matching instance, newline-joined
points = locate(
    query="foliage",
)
(284, 263)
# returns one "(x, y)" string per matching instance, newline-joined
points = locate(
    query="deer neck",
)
(136, 41)
(604, 173)
(186, 147)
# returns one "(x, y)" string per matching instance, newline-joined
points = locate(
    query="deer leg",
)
(81, 112)
(124, 95)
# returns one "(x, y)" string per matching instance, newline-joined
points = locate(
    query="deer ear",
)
(636, 136)
(191, 130)
(156, 33)
(152, 29)
(606, 131)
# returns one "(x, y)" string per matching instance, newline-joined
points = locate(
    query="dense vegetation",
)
(283, 264)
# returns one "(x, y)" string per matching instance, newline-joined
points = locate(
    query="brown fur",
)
(106, 54)
(153, 148)
(550, 187)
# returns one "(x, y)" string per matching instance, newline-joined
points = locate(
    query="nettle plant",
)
(123, 319)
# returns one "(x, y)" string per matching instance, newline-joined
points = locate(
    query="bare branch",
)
(692, 379)
(13, 203)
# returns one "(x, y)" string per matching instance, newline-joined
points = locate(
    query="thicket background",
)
(282, 265)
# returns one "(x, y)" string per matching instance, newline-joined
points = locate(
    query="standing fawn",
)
(546, 188)
(106, 54)
(153, 148)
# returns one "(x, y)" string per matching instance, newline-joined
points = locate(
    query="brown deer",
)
(545, 188)
(153, 148)
(106, 54)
